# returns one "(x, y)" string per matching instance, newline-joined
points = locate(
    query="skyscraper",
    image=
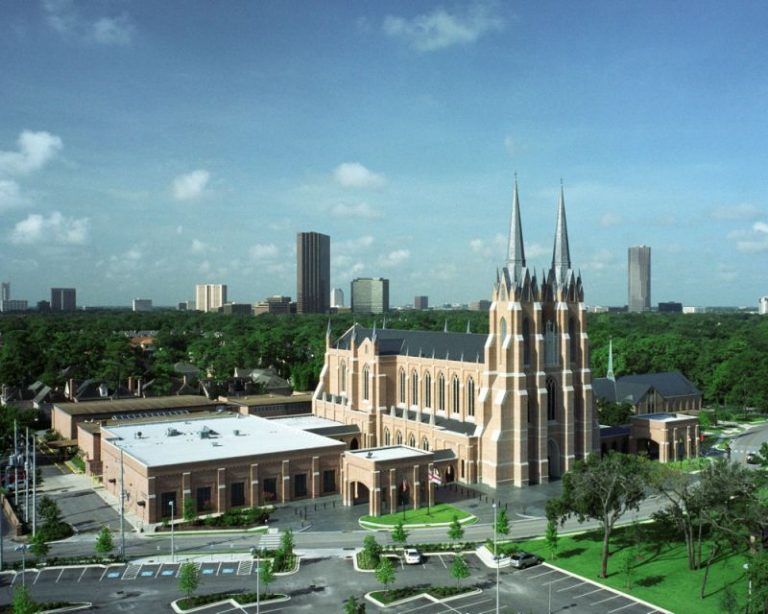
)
(337, 298)
(210, 297)
(421, 302)
(313, 272)
(370, 295)
(63, 299)
(5, 291)
(639, 274)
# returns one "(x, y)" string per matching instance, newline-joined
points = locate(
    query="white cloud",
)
(63, 17)
(351, 246)
(199, 247)
(355, 175)
(742, 211)
(35, 149)
(760, 227)
(495, 248)
(510, 145)
(751, 241)
(261, 252)
(190, 186)
(204, 267)
(610, 219)
(440, 29)
(395, 258)
(360, 210)
(54, 229)
(536, 250)
(10, 195)
(601, 260)
(726, 273)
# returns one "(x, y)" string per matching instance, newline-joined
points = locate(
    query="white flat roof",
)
(307, 422)
(227, 437)
(391, 453)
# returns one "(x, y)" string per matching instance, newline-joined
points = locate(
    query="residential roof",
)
(464, 347)
(137, 404)
(176, 442)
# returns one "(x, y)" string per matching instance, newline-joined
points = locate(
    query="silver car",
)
(521, 560)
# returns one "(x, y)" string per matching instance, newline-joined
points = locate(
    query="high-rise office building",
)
(337, 298)
(5, 291)
(639, 275)
(313, 272)
(370, 295)
(63, 299)
(421, 302)
(210, 297)
(142, 304)
(762, 305)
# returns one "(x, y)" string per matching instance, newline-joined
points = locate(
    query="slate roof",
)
(632, 388)
(465, 347)
(455, 426)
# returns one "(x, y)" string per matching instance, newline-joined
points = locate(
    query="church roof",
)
(633, 388)
(465, 347)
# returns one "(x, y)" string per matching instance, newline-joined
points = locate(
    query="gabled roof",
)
(632, 388)
(619, 391)
(465, 347)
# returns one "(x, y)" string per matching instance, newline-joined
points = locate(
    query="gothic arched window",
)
(470, 397)
(414, 388)
(455, 389)
(386, 437)
(572, 335)
(503, 329)
(440, 392)
(425, 444)
(402, 385)
(343, 377)
(551, 399)
(526, 341)
(366, 383)
(412, 441)
(427, 390)
(398, 438)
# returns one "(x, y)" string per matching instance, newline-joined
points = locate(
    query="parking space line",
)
(60, 574)
(218, 569)
(82, 574)
(597, 590)
(555, 581)
(546, 573)
(37, 577)
(629, 605)
(607, 599)
(569, 587)
(440, 556)
(104, 573)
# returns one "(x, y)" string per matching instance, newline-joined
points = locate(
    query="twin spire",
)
(561, 255)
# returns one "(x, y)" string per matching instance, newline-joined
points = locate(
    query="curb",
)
(377, 603)
(232, 602)
(373, 526)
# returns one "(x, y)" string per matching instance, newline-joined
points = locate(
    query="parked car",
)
(521, 560)
(411, 556)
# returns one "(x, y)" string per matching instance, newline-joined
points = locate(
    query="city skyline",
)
(144, 150)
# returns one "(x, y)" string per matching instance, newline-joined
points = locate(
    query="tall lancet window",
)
(456, 398)
(343, 377)
(526, 341)
(414, 388)
(550, 344)
(366, 383)
(402, 385)
(502, 330)
(551, 399)
(440, 392)
(572, 335)
(427, 390)
(470, 397)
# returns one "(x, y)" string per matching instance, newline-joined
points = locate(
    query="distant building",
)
(650, 393)
(273, 304)
(370, 295)
(13, 305)
(693, 309)
(313, 272)
(670, 307)
(762, 305)
(5, 291)
(142, 304)
(421, 302)
(210, 297)
(63, 299)
(43, 306)
(639, 277)
(238, 309)
(337, 298)
(481, 305)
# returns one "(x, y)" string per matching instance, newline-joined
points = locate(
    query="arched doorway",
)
(648, 447)
(354, 444)
(360, 493)
(553, 458)
(449, 475)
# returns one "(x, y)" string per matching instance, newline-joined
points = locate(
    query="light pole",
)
(496, 557)
(258, 578)
(173, 550)
(23, 548)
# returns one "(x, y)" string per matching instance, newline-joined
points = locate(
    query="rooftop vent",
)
(171, 432)
(236, 432)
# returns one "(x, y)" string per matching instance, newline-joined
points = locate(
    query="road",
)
(748, 441)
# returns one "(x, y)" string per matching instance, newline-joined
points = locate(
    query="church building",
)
(513, 407)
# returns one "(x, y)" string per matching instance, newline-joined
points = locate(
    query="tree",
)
(613, 414)
(502, 522)
(22, 602)
(38, 546)
(455, 530)
(385, 572)
(286, 544)
(628, 566)
(602, 489)
(48, 511)
(353, 606)
(459, 569)
(551, 537)
(104, 544)
(371, 551)
(399, 534)
(189, 512)
(266, 573)
(189, 578)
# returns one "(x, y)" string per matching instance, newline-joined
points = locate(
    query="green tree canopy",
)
(459, 569)
(189, 578)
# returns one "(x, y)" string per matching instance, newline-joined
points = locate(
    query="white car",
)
(411, 556)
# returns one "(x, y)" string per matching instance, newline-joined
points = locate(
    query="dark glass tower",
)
(313, 272)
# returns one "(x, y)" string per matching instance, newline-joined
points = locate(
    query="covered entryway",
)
(360, 493)
(648, 447)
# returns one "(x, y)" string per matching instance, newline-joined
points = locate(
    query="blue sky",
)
(146, 147)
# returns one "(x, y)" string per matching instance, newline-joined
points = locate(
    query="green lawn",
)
(442, 513)
(690, 464)
(661, 574)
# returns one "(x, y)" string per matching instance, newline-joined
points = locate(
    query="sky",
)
(146, 147)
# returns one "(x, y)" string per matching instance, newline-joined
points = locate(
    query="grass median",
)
(440, 514)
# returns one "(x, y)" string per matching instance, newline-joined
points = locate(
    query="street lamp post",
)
(23, 548)
(122, 505)
(496, 557)
(173, 550)
(258, 578)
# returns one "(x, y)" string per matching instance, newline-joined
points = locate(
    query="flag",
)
(435, 477)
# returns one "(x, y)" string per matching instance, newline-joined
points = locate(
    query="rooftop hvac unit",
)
(171, 432)
(236, 432)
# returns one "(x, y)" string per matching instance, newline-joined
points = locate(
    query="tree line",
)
(725, 355)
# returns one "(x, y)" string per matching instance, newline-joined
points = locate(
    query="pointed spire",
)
(610, 375)
(515, 250)
(561, 256)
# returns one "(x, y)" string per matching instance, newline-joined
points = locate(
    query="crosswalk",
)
(269, 541)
